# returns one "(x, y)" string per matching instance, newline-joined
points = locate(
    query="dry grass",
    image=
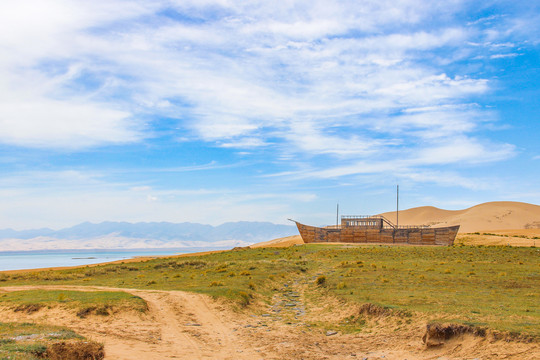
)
(519, 237)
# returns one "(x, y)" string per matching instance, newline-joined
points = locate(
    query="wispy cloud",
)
(503, 56)
(232, 74)
(45, 196)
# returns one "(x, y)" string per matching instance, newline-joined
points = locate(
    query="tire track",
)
(190, 327)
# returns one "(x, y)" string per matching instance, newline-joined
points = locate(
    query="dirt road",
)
(180, 325)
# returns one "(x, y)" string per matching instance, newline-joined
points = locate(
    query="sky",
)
(214, 110)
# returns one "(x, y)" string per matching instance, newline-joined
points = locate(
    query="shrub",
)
(245, 298)
(76, 350)
(321, 280)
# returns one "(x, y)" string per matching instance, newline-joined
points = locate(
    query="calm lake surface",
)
(17, 260)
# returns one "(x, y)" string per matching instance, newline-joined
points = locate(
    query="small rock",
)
(265, 315)
(192, 324)
(331, 332)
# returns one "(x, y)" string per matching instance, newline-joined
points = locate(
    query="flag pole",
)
(397, 207)
(337, 215)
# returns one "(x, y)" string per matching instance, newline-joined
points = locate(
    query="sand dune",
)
(280, 242)
(500, 215)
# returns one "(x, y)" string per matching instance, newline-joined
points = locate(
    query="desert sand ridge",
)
(490, 216)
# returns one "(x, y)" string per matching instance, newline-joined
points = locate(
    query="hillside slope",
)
(489, 216)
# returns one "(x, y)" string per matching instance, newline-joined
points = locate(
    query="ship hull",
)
(352, 234)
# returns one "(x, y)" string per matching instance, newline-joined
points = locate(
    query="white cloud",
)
(61, 124)
(447, 179)
(35, 108)
(463, 150)
(503, 56)
(411, 162)
(256, 68)
(309, 78)
(244, 143)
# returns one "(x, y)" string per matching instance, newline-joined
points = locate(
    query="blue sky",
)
(213, 111)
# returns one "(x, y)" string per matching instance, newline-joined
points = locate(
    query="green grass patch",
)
(85, 302)
(26, 341)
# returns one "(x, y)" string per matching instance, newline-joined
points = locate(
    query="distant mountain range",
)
(124, 235)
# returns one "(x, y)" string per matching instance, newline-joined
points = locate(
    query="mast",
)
(337, 215)
(397, 207)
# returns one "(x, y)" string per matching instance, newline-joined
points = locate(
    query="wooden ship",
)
(377, 230)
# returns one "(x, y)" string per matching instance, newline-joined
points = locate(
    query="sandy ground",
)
(516, 237)
(182, 325)
(280, 242)
(497, 215)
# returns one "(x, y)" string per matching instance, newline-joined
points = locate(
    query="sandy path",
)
(178, 325)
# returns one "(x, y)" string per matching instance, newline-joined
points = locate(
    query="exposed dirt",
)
(192, 326)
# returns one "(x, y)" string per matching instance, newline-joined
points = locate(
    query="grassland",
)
(24, 341)
(495, 287)
(96, 302)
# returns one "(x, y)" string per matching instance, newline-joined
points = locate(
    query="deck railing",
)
(386, 223)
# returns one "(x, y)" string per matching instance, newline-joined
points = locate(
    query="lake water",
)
(17, 260)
